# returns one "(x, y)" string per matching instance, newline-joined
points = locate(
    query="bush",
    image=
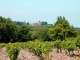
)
(12, 51)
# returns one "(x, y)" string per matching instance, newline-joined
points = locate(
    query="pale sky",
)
(41, 10)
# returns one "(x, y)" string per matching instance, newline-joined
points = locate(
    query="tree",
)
(62, 30)
(19, 23)
(44, 23)
(27, 23)
(29, 36)
(22, 35)
(7, 30)
(78, 29)
(41, 33)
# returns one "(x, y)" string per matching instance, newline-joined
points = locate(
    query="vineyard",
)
(40, 40)
(39, 48)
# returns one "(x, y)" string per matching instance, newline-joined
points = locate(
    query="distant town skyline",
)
(41, 10)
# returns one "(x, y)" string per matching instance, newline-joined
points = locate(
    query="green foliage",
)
(71, 46)
(60, 35)
(29, 36)
(22, 34)
(10, 32)
(78, 42)
(78, 29)
(19, 31)
(7, 30)
(39, 47)
(57, 44)
(12, 50)
(27, 23)
(19, 23)
(62, 30)
(44, 23)
(66, 45)
(2, 45)
(41, 33)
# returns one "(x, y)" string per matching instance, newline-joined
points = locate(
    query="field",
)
(40, 50)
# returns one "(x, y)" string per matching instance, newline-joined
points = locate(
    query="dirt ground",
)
(53, 55)
(24, 54)
(3, 54)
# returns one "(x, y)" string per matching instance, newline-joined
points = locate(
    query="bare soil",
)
(24, 54)
(53, 55)
(3, 54)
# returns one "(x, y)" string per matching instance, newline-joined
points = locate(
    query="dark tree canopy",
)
(11, 31)
(22, 34)
(44, 23)
(7, 30)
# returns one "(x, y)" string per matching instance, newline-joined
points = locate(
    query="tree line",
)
(20, 32)
(27, 23)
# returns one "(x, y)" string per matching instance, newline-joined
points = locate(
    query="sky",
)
(41, 10)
